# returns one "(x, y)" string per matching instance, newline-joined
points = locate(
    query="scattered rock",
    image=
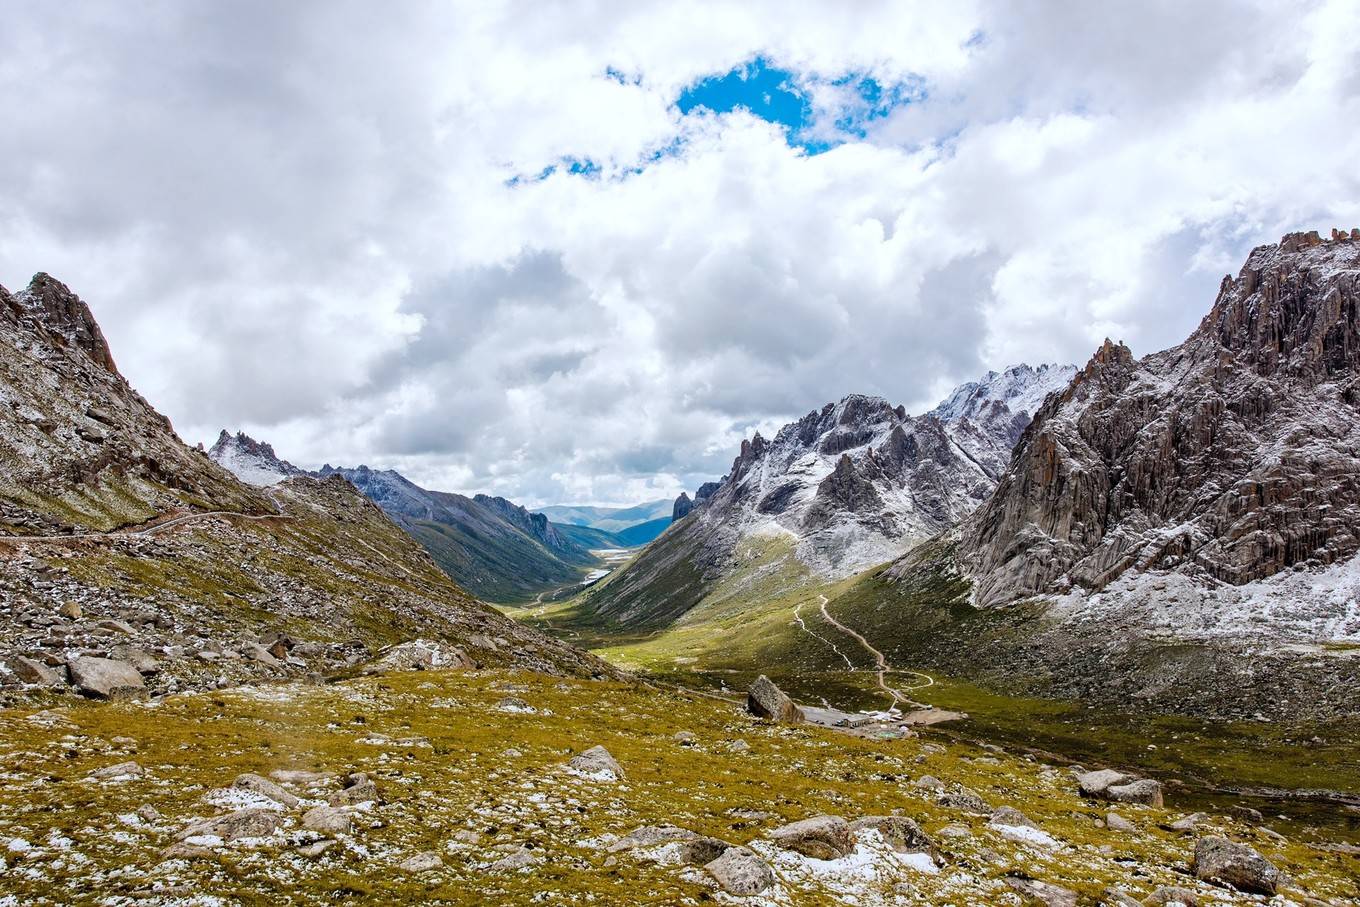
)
(103, 678)
(299, 776)
(685, 738)
(1144, 791)
(359, 788)
(1115, 822)
(765, 700)
(821, 837)
(515, 705)
(901, 833)
(420, 655)
(122, 772)
(31, 671)
(517, 860)
(1094, 784)
(1225, 862)
(1188, 823)
(928, 782)
(1171, 896)
(596, 764)
(243, 823)
(955, 831)
(741, 872)
(326, 820)
(1006, 815)
(1036, 892)
(265, 788)
(675, 844)
(315, 849)
(421, 862)
(964, 799)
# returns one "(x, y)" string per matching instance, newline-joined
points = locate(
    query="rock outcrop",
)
(1230, 457)
(682, 508)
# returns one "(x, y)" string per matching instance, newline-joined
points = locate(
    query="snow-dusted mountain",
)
(851, 485)
(251, 461)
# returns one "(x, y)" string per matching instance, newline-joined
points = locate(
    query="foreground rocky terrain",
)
(131, 562)
(475, 787)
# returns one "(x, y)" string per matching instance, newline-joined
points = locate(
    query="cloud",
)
(360, 235)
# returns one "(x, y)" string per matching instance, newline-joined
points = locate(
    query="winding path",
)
(880, 661)
(151, 529)
(798, 617)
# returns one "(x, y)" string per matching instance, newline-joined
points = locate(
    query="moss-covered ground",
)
(461, 777)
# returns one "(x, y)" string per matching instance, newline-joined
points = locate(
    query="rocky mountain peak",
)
(682, 508)
(1230, 457)
(61, 312)
(253, 462)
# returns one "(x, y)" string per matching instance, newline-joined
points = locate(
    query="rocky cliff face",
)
(80, 450)
(850, 485)
(1227, 459)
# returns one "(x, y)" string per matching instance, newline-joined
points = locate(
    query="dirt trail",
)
(143, 531)
(880, 661)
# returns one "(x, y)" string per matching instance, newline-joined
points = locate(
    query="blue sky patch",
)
(766, 91)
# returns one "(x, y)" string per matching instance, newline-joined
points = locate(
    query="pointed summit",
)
(52, 304)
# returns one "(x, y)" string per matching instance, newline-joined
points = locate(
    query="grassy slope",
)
(458, 774)
(745, 626)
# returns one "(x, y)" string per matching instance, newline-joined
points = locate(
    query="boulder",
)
(1095, 784)
(359, 788)
(32, 671)
(1171, 896)
(243, 823)
(420, 655)
(71, 610)
(139, 659)
(1188, 823)
(1115, 822)
(900, 833)
(104, 678)
(517, 860)
(673, 843)
(765, 700)
(961, 798)
(1007, 815)
(122, 771)
(1225, 862)
(1144, 791)
(421, 862)
(740, 872)
(326, 820)
(821, 837)
(1032, 891)
(265, 788)
(597, 764)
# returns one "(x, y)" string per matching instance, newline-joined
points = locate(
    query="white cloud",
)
(296, 219)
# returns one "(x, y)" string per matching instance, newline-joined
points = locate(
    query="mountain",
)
(119, 542)
(642, 533)
(610, 519)
(80, 450)
(1183, 526)
(495, 549)
(591, 539)
(249, 460)
(848, 486)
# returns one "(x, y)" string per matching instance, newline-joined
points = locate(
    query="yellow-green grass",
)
(464, 765)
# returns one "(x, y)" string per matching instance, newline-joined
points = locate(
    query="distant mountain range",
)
(655, 514)
(497, 550)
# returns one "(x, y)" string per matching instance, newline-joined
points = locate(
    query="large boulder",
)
(821, 837)
(31, 670)
(1226, 862)
(326, 820)
(1095, 784)
(265, 788)
(1032, 891)
(104, 678)
(1144, 791)
(741, 872)
(597, 764)
(765, 700)
(359, 788)
(244, 823)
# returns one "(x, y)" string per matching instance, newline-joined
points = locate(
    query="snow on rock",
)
(251, 461)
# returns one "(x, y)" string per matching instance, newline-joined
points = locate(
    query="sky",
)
(574, 253)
